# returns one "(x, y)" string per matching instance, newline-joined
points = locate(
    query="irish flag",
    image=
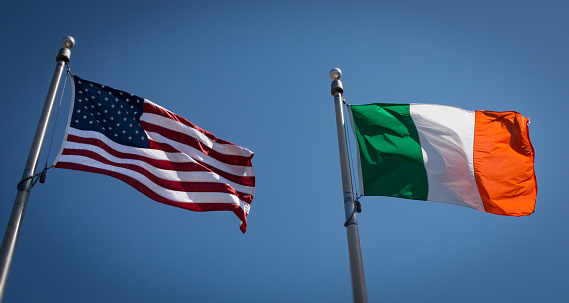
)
(478, 159)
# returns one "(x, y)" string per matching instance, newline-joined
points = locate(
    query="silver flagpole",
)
(356, 264)
(17, 215)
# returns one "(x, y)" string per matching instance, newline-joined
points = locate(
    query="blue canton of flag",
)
(112, 112)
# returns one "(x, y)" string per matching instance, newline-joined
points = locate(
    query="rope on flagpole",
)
(57, 114)
(42, 175)
(355, 180)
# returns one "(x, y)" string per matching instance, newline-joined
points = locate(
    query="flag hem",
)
(360, 177)
(71, 107)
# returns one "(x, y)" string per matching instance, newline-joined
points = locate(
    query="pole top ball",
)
(335, 74)
(68, 42)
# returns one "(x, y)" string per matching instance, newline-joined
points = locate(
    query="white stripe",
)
(224, 148)
(446, 135)
(178, 196)
(182, 176)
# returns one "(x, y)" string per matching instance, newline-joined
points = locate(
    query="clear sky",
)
(256, 74)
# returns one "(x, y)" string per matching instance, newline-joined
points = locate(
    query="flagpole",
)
(356, 264)
(24, 188)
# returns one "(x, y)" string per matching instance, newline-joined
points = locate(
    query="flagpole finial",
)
(64, 53)
(335, 74)
(68, 42)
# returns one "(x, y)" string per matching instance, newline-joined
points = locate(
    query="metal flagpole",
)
(17, 215)
(356, 264)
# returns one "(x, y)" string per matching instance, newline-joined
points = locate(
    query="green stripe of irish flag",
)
(390, 157)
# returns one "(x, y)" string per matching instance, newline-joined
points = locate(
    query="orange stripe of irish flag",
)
(503, 163)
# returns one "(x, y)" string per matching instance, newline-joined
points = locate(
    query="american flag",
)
(159, 153)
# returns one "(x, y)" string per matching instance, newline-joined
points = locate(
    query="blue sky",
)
(256, 74)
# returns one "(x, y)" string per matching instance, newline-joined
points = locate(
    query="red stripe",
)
(164, 164)
(154, 196)
(167, 184)
(153, 109)
(199, 146)
(163, 147)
